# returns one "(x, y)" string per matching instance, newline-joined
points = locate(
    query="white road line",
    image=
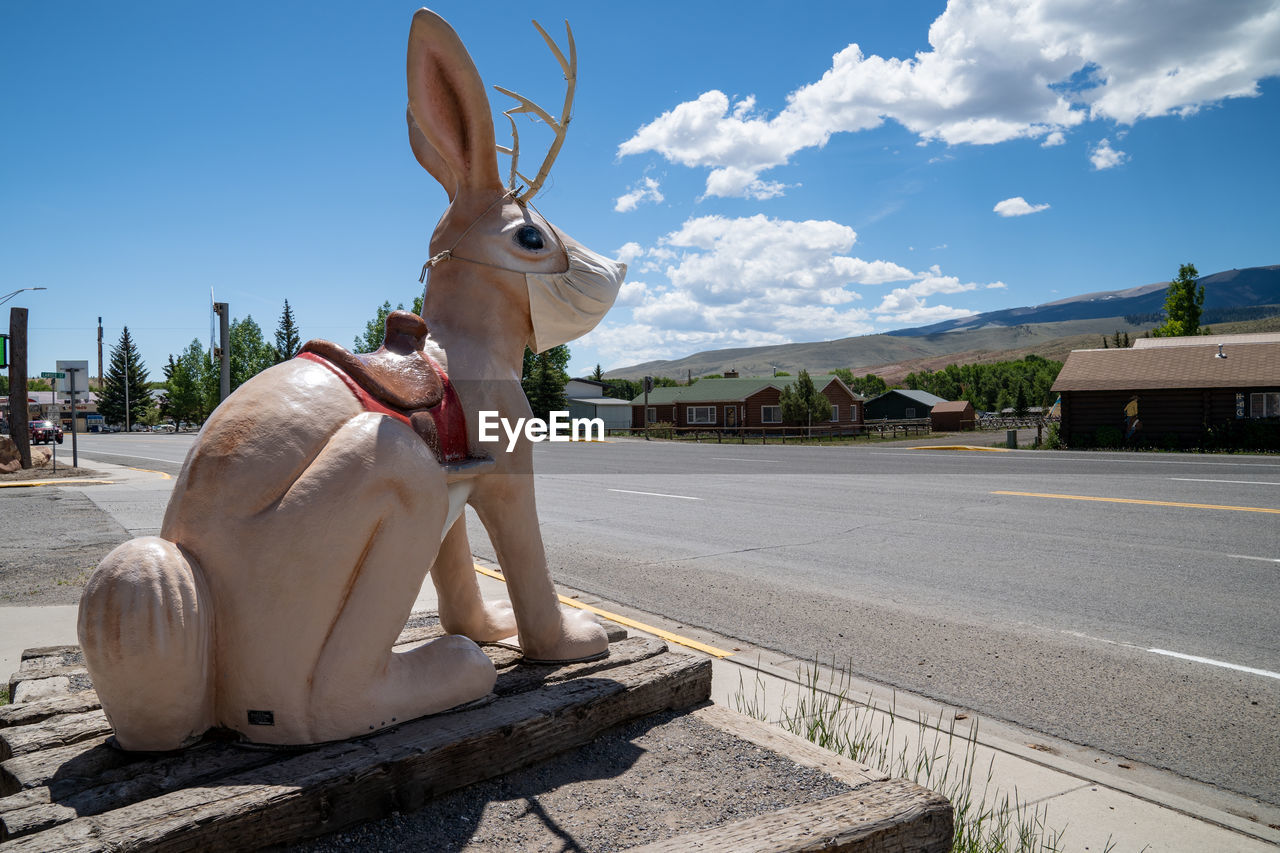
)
(1259, 559)
(1238, 482)
(655, 494)
(740, 459)
(1265, 672)
(1179, 655)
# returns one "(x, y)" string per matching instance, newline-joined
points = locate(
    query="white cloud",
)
(1054, 139)
(1103, 156)
(996, 70)
(907, 304)
(997, 285)
(1017, 206)
(749, 281)
(646, 190)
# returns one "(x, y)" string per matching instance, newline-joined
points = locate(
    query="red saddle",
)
(403, 382)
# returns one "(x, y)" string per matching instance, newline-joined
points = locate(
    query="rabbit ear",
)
(448, 103)
(429, 158)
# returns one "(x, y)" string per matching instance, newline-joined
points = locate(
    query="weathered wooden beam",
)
(52, 733)
(28, 713)
(338, 785)
(95, 789)
(884, 817)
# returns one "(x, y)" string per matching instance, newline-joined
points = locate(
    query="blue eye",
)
(530, 238)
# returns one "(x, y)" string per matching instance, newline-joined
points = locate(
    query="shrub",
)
(1053, 438)
(1109, 436)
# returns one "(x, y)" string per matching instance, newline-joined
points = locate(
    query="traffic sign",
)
(52, 374)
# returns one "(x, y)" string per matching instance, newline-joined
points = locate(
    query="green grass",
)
(937, 754)
(4, 694)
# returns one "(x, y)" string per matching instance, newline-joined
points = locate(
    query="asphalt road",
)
(1142, 621)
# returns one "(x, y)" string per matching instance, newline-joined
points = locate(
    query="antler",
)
(570, 69)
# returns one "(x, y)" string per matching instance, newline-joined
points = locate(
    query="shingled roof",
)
(1246, 365)
(726, 390)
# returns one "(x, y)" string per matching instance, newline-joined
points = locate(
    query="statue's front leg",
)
(547, 631)
(462, 608)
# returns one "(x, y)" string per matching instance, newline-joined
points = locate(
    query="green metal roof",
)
(725, 390)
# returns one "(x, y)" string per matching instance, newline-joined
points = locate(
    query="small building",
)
(1171, 394)
(953, 416)
(902, 404)
(735, 403)
(586, 399)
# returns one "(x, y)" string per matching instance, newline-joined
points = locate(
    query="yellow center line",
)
(623, 620)
(958, 447)
(1136, 501)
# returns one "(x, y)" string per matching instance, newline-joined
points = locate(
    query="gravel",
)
(651, 779)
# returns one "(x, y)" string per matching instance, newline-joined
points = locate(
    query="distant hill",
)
(1051, 330)
(1244, 288)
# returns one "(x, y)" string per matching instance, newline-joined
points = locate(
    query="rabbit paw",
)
(581, 637)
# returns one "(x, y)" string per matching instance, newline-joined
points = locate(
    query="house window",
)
(651, 415)
(1265, 405)
(771, 414)
(909, 413)
(853, 412)
(835, 413)
(701, 415)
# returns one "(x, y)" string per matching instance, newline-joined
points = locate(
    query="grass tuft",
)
(939, 754)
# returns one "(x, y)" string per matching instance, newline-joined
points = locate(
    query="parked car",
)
(45, 432)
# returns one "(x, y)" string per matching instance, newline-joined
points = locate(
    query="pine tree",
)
(126, 371)
(288, 341)
(543, 379)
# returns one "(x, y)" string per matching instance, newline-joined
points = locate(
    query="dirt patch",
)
(651, 779)
(47, 473)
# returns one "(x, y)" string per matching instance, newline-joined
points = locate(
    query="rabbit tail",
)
(146, 628)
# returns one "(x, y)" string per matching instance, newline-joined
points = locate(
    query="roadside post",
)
(53, 442)
(648, 386)
(75, 451)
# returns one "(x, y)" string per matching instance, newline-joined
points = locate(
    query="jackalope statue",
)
(319, 494)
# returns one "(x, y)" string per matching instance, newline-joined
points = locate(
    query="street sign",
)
(4, 350)
(52, 374)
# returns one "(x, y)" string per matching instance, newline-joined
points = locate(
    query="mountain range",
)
(1052, 329)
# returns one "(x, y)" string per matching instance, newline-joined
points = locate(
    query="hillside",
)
(986, 337)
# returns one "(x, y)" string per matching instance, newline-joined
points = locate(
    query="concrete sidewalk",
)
(1093, 798)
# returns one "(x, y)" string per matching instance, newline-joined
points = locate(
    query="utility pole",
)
(18, 421)
(99, 358)
(222, 309)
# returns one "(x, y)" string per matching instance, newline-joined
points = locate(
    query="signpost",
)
(72, 367)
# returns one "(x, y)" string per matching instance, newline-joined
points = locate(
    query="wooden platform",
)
(63, 787)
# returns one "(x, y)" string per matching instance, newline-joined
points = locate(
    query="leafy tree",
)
(126, 372)
(250, 353)
(375, 330)
(288, 341)
(543, 378)
(4, 385)
(802, 403)
(185, 398)
(1183, 304)
(868, 386)
(623, 389)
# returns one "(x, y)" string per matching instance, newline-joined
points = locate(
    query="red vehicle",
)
(45, 432)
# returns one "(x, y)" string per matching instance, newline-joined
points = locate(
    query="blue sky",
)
(771, 173)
